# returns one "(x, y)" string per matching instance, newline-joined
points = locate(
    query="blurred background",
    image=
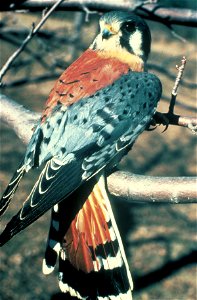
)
(159, 239)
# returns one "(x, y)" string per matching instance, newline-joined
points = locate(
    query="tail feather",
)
(92, 261)
(53, 243)
(11, 189)
(115, 227)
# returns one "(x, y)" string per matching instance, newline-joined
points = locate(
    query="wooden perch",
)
(125, 185)
(132, 187)
(17, 117)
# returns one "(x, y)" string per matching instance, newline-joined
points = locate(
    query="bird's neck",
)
(134, 62)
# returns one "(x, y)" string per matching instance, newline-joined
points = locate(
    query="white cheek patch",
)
(110, 44)
(135, 42)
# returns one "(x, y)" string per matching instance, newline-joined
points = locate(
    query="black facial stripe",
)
(124, 42)
(146, 42)
(127, 29)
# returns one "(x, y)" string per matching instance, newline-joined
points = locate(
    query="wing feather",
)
(11, 188)
(84, 145)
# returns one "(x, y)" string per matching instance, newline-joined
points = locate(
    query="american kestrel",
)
(94, 113)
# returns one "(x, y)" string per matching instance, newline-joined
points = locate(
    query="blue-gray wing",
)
(78, 141)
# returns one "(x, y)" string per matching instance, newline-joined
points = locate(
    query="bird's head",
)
(123, 32)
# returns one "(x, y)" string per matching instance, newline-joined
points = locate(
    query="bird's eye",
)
(129, 27)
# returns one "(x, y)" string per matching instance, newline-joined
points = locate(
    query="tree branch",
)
(173, 119)
(99, 5)
(121, 184)
(170, 15)
(132, 187)
(178, 16)
(18, 118)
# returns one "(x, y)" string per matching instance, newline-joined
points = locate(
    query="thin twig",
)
(164, 70)
(88, 12)
(170, 118)
(181, 104)
(177, 36)
(33, 31)
(176, 84)
(179, 75)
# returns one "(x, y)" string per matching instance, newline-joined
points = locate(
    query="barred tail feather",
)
(101, 184)
(92, 261)
(53, 243)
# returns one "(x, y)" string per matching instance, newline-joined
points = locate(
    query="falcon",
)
(94, 113)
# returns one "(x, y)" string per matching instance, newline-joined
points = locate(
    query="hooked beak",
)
(108, 31)
(106, 34)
